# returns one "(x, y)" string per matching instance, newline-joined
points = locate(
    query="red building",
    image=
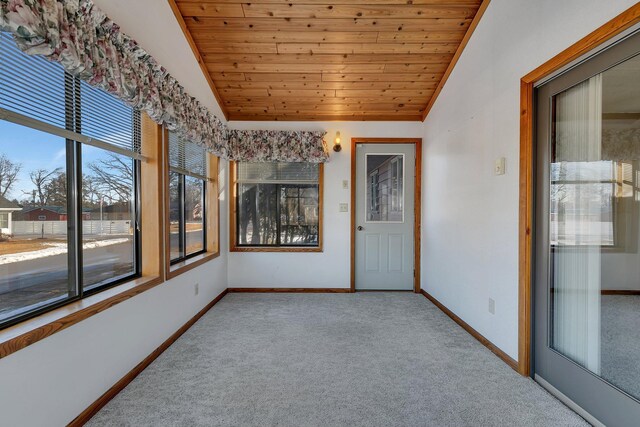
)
(45, 213)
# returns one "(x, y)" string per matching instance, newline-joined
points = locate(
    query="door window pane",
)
(595, 225)
(108, 216)
(33, 251)
(193, 214)
(385, 188)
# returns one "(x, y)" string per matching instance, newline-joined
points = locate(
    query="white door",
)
(384, 216)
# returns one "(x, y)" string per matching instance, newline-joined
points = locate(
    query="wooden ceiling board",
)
(198, 24)
(322, 101)
(327, 60)
(347, 2)
(326, 85)
(294, 58)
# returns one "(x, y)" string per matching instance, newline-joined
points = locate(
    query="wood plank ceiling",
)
(324, 59)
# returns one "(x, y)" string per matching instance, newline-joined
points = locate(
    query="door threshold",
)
(568, 402)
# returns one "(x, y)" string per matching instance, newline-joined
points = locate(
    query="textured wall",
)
(471, 216)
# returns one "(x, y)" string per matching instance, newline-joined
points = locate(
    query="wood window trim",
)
(212, 211)
(417, 203)
(617, 25)
(233, 246)
(32, 330)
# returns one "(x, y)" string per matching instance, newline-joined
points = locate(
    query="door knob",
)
(360, 228)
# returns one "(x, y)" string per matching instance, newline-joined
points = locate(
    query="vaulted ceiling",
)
(326, 60)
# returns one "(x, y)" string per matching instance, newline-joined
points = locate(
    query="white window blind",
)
(187, 157)
(39, 94)
(278, 173)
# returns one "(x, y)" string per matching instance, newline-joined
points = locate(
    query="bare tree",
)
(114, 177)
(8, 174)
(90, 192)
(41, 178)
(56, 190)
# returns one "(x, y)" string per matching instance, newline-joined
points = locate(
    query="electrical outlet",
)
(344, 207)
(196, 288)
(345, 184)
(492, 306)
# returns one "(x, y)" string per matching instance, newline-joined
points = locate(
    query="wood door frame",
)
(417, 201)
(617, 25)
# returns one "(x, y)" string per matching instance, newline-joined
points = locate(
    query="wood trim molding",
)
(152, 218)
(93, 409)
(456, 56)
(620, 23)
(417, 203)
(38, 328)
(190, 263)
(477, 335)
(196, 54)
(233, 244)
(213, 206)
(291, 290)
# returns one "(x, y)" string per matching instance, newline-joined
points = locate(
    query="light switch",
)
(500, 166)
(345, 184)
(344, 207)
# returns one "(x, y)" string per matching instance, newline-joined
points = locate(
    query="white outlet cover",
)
(492, 306)
(345, 184)
(500, 166)
(343, 207)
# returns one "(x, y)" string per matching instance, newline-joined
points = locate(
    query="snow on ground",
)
(56, 249)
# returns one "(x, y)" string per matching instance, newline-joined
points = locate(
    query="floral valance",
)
(277, 146)
(78, 35)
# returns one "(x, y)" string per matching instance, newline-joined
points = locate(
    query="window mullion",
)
(278, 219)
(182, 234)
(74, 240)
(203, 213)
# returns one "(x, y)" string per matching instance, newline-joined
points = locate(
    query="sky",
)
(34, 150)
(32, 86)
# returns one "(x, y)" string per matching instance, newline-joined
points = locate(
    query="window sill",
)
(190, 263)
(33, 330)
(275, 249)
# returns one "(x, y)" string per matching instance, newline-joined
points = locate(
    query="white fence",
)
(57, 228)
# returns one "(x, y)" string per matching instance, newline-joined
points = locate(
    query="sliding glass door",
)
(587, 264)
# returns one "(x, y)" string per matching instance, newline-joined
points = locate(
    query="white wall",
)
(470, 217)
(329, 269)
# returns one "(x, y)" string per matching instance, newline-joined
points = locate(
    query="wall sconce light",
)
(336, 143)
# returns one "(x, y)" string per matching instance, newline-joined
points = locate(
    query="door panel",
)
(384, 216)
(587, 234)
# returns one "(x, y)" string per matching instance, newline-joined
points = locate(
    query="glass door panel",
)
(587, 234)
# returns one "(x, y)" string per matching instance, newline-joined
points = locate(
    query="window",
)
(385, 192)
(583, 193)
(71, 157)
(187, 204)
(277, 205)
(4, 220)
